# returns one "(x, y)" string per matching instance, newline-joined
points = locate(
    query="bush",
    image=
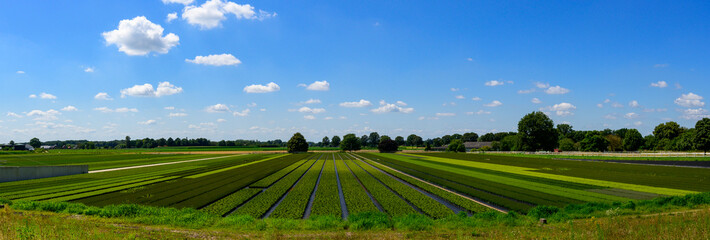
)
(543, 211)
(387, 146)
(5, 201)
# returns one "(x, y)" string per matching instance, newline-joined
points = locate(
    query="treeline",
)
(371, 141)
(154, 143)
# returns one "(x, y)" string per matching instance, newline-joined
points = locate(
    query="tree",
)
(399, 140)
(702, 135)
(685, 142)
(12, 143)
(511, 143)
(461, 148)
(614, 142)
(470, 137)
(454, 146)
(325, 141)
(488, 137)
(537, 132)
(170, 142)
(564, 131)
(35, 143)
(446, 139)
(567, 144)
(350, 143)
(427, 147)
(89, 145)
(669, 130)
(387, 145)
(363, 140)
(335, 141)
(384, 137)
(632, 140)
(297, 144)
(222, 143)
(649, 142)
(374, 139)
(418, 142)
(594, 142)
(128, 142)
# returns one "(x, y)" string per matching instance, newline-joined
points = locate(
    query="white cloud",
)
(476, 99)
(660, 65)
(146, 90)
(542, 85)
(695, 114)
(659, 84)
(216, 60)
(148, 122)
(311, 110)
(309, 117)
(70, 109)
(561, 109)
(177, 114)
(556, 90)
(389, 107)
(445, 114)
(89, 69)
(599, 105)
(607, 100)
(460, 97)
(217, 108)
(526, 91)
(221, 120)
(102, 96)
(183, 2)
(124, 110)
(20, 72)
(690, 100)
(454, 89)
(678, 86)
(211, 13)
(12, 114)
(256, 88)
(170, 17)
(400, 103)
(312, 101)
(40, 115)
(169, 108)
(361, 103)
(47, 96)
(617, 105)
(631, 115)
(495, 103)
(318, 86)
(138, 37)
(262, 109)
(610, 117)
(328, 118)
(481, 112)
(243, 113)
(33, 96)
(536, 101)
(634, 104)
(469, 59)
(638, 123)
(494, 83)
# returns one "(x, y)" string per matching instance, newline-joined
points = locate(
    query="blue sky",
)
(79, 69)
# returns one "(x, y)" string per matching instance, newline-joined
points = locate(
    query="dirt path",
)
(156, 164)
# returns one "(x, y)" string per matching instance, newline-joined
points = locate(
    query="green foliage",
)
(537, 132)
(335, 141)
(399, 140)
(702, 134)
(543, 211)
(455, 146)
(413, 222)
(373, 139)
(327, 201)
(567, 144)
(427, 147)
(297, 144)
(356, 199)
(350, 143)
(469, 137)
(294, 205)
(564, 130)
(325, 142)
(669, 130)
(35, 143)
(594, 142)
(511, 143)
(414, 140)
(685, 142)
(632, 140)
(387, 145)
(369, 221)
(614, 143)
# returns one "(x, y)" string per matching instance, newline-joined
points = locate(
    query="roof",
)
(476, 145)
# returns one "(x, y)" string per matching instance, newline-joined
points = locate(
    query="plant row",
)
(294, 204)
(271, 179)
(327, 201)
(227, 204)
(356, 199)
(390, 202)
(427, 204)
(449, 196)
(258, 206)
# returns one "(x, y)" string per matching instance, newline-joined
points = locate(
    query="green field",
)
(337, 185)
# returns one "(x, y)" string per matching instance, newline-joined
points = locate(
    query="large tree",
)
(374, 139)
(594, 142)
(564, 130)
(399, 140)
(702, 135)
(297, 144)
(537, 132)
(335, 141)
(614, 141)
(387, 145)
(350, 143)
(470, 137)
(364, 140)
(35, 143)
(669, 130)
(633, 140)
(456, 145)
(325, 142)
(566, 144)
(128, 142)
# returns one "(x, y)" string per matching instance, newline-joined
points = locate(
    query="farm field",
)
(299, 186)
(95, 160)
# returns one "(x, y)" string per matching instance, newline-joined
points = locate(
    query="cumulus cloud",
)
(311, 110)
(401, 103)
(40, 115)
(70, 108)
(317, 86)
(102, 96)
(309, 117)
(361, 103)
(460, 97)
(617, 105)
(476, 99)
(146, 90)
(169, 108)
(217, 108)
(495, 103)
(556, 90)
(216, 60)
(118, 110)
(610, 116)
(243, 113)
(89, 69)
(659, 84)
(631, 115)
(389, 107)
(171, 17)
(33, 96)
(561, 109)
(183, 2)
(177, 114)
(445, 114)
(311, 101)
(695, 114)
(257, 88)
(634, 104)
(211, 13)
(536, 101)
(690, 100)
(494, 83)
(526, 91)
(139, 36)
(221, 120)
(148, 122)
(43, 96)
(20, 72)
(542, 85)
(12, 114)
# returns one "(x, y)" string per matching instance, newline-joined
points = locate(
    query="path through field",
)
(156, 164)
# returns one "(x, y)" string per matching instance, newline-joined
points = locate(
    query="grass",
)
(602, 157)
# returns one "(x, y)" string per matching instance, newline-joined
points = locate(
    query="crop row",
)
(451, 197)
(356, 198)
(271, 179)
(259, 205)
(562, 195)
(196, 192)
(294, 204)
(390, 202)
(327, 201)
(244, 163)
(226, 204)
(428, 205)
(108, 190)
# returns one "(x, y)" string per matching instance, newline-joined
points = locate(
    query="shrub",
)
(543, 211)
